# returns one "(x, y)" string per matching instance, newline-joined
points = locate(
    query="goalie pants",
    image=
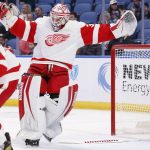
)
(53, 77)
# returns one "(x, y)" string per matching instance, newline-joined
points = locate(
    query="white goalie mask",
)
(59, 16)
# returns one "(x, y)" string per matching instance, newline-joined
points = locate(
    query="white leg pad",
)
(55, 112)
(54, 130)
(33, 121)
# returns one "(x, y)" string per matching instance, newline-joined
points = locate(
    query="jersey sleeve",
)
(96, 33)
(7, 92)
(9, 66)
(9, 74)
(25, 30)
(3, 67)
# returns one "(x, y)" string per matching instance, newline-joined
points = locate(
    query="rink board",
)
(93, 77)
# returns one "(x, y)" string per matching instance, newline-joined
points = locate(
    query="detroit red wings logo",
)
(56, 39)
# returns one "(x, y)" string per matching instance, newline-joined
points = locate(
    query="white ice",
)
(79, 127)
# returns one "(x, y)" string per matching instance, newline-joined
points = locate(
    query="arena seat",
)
(82, 7)
(89, 17)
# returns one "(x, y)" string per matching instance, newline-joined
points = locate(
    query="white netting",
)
(130, 53)
(132, 91)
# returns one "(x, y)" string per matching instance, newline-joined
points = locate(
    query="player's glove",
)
(14, 9)
(8, 15)
(125, 26)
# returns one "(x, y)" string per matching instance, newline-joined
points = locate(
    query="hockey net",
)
(130, 90)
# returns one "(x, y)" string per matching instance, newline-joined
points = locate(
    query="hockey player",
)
(9, 75)
(47, 93)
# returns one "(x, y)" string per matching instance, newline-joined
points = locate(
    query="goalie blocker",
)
(41, 115)
(6, 13)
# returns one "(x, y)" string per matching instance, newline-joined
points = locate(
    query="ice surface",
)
(82, 130)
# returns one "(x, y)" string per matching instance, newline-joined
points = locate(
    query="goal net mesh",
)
(130, 90)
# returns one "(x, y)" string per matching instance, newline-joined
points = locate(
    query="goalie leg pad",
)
(53, 130)
(55, 112)
(31, 108)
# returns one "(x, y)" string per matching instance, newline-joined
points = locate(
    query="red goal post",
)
(129, 61)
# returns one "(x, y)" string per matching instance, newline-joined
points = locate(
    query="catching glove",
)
(125, 26)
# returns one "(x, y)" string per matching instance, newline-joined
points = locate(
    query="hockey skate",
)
(7, 143)
(32, 142)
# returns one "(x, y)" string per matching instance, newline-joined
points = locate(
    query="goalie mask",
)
(59, 16)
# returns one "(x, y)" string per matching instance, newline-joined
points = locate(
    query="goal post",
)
(130, 89)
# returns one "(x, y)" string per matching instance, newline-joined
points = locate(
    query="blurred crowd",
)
(31, 10)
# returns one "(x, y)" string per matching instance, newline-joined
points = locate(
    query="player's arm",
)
(24, 30)
(125, 26)
(93, 34)
(9, 74)
(7, 89)
(8, 83)
(3, 68)
(5, 93)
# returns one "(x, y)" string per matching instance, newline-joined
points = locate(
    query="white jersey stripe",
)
(3, 62)
(95, 34)
(27, 31)
(9, 77)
